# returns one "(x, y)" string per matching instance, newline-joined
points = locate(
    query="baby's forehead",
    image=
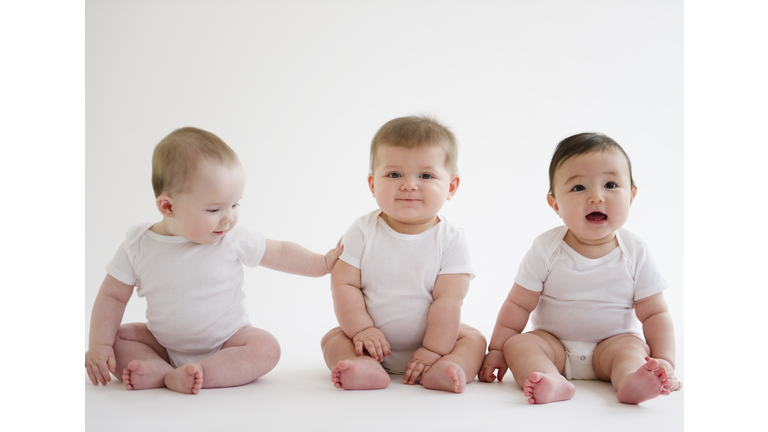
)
(610, 159)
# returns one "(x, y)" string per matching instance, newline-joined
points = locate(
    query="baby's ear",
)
(632, 198)
(165, 205)
(553, 203)
(453, 186)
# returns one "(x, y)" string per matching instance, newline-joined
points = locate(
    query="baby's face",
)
(209, 209)
(411, 186)
(592, 194)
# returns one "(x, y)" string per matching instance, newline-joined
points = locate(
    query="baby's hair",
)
(417, 132)
(583, 143)
(176, 158)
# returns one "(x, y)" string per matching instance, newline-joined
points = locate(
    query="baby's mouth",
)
(597, 216)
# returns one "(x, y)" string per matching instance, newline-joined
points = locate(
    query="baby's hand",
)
(333, 255)
(372, 340)
(421, 360)
(99, 362)
(493, 360)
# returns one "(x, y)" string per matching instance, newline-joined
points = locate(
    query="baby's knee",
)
(473, 334)
(332, 334)
(129, 332)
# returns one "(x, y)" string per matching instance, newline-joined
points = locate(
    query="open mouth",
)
(597, 216)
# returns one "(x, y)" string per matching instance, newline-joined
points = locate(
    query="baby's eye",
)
(393, 175)
(425, 176)
(213, 210)
(611, 185)
(235, 205)
(578, 188)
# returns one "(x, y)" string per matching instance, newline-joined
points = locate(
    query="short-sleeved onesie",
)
(194, 292)
(398, 273)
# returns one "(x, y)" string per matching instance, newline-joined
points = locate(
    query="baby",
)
(189, 268)
(583, 282)
(399, 285)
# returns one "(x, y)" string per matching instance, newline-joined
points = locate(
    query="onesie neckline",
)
(408, 237)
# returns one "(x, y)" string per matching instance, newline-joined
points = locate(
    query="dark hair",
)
(583, 143)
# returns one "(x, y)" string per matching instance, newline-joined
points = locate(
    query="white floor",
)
(298, 398)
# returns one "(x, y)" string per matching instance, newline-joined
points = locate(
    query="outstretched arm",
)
(659, 331)
(291, 258)
(349, 305)
(511, 321)
(443, 322)
(108, 309)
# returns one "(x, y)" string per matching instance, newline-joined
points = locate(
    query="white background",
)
(298, 89)
(42, 172)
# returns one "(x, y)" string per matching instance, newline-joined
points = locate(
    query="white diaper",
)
(396, 362)
(578, 360)
(178, 358)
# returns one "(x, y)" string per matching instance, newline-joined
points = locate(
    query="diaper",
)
(180, 358)
(578, 360)
(396, 362)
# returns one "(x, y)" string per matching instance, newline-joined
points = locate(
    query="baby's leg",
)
(536, 360)
(622, 360)
(453, 371)
(348, 371)
(247, 355)
(141, 360)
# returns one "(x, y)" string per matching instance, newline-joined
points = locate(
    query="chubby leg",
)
(247, 355)
(453, 371)
(537, 360)
(348, 371)
(140, 358)
(623, 360)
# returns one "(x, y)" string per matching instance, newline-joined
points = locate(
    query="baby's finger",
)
(371, 349)
(106, 377)
(90, 375)
(416, 373)
(502, 372)
(359, 348)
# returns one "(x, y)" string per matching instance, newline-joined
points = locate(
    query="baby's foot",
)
(145, 374)
(541, 388)
(445, 375)
(359, 374)
(646, 383)
(187, 379)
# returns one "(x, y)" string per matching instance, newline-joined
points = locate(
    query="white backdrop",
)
(298, 88)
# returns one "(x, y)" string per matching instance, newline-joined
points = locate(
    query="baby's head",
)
(178, 155)
(584, 143)
(591, 186)
(198, 182)
(417, 132)
(413, 172)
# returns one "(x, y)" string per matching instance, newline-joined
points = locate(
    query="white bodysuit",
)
(194, 292)
(398, 272)
(584, 299)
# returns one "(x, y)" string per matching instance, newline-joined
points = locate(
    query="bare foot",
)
(445, 375)
(359, 374)
(145, 374)
(646, 383)
(186, 379)
(541, 388)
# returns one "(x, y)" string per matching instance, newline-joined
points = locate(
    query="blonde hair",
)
(417, 132)
(176, 157)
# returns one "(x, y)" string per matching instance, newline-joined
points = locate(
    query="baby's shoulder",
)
(136, 232)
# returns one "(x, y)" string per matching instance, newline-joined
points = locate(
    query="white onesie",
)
(588, 300)
(398, 272)
(194, 292)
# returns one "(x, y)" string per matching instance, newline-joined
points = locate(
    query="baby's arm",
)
(659, 332)
(349, 305)
(108, 309)
(443, 322)
(511, 321)
(291, 258)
